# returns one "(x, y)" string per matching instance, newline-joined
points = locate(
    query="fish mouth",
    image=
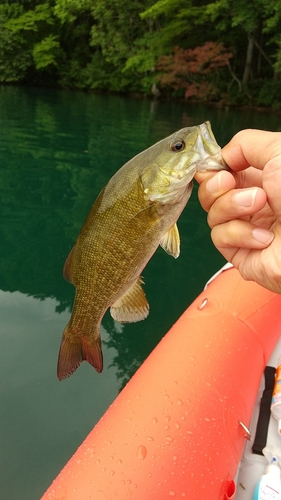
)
(208, 149)
(206, 143)
(207, 133)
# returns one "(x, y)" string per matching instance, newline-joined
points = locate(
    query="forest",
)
(222, 51)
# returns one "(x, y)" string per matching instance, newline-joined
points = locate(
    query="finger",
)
(272, 184)
(232, 236)
(214, 186)
(236, 204)
(252, 147)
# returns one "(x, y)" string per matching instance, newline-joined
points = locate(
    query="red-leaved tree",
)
(197, 71)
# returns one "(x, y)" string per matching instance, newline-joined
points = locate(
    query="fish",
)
(134, 213)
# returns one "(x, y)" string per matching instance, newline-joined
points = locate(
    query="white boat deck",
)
(252, 466)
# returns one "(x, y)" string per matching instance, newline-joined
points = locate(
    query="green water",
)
(57, 150)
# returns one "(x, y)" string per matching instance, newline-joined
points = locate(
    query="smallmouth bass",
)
(135, 213)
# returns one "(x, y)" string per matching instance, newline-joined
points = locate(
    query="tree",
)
(195, 71)
(15, 56)
(119, 33)
(245, 20)
(28, 38)
(119, 46)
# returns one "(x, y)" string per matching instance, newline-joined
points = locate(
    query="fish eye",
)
(177, 146)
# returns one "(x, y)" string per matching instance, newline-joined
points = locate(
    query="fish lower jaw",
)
(212, 163)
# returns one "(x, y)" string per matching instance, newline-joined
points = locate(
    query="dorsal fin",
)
(67, 269)
(132, 306)
(171, 241)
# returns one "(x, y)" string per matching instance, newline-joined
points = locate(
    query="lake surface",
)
(57, 150)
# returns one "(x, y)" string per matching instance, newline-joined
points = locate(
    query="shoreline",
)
(165, 98)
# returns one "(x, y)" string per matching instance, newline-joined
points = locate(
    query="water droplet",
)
(112, 472)
(141, 452)
(155, 420)
(180, 402)
(166, 427)
(119, 461)
(177, 425)
(168, 418)
(172, 493)
(149, 438)
(168, 440)
(175, 457)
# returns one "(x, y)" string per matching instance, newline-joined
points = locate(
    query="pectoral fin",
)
(132, 306)
(67, 270)
(171, 241)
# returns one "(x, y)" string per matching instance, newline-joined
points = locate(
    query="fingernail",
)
(214, 184)
(245, 198)
(262, 235)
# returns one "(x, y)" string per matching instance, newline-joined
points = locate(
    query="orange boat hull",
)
(174, 431)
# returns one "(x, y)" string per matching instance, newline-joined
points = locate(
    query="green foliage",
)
(44, 52)
(117, 26)
(68, 11)
(267, 93)
(26, 40)
(277, 65)
(31, 20)
(15, 57)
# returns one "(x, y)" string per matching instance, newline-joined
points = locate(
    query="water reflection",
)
(41, 420)
(57, 150)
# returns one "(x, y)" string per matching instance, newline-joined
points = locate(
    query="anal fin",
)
(171, 241)
(132, 306)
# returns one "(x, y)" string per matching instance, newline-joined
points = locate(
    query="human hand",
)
(244, 206)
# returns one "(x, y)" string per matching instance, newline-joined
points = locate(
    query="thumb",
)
(272, 184)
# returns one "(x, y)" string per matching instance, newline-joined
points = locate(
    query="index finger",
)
(252, 147)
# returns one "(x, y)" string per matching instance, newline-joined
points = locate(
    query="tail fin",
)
(74, 350)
